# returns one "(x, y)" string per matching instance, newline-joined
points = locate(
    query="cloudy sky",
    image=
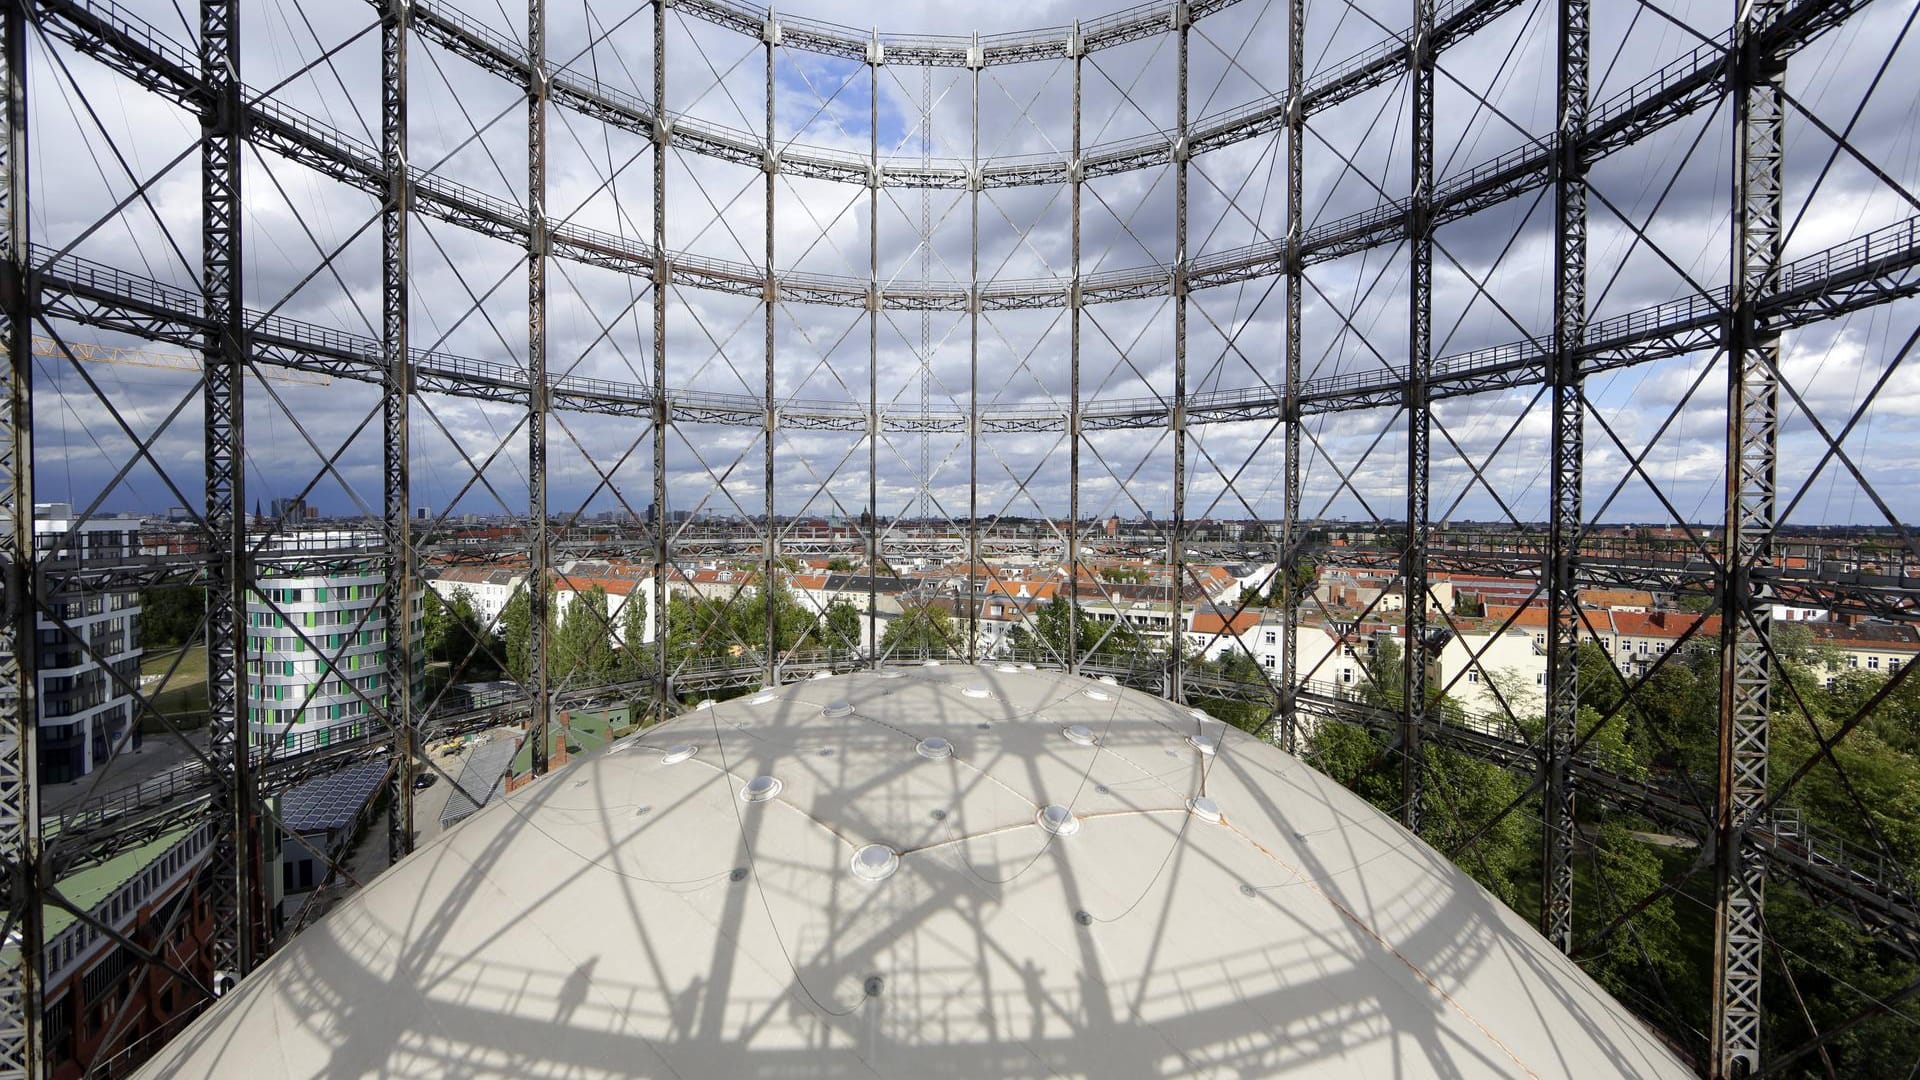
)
(1659, 232)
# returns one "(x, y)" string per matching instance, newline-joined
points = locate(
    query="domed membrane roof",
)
(565, 932)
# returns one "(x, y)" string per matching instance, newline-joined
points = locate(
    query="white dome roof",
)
(627, 916)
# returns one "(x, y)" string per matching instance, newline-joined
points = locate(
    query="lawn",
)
(182, 698)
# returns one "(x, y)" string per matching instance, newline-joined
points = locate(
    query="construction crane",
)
(93, 352)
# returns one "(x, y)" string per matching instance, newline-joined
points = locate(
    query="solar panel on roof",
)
(331, 802)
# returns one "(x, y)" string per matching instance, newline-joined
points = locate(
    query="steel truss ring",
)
(149, 56)
(453, 29)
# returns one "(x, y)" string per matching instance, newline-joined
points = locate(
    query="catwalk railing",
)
(1869, 270)
(104, 30)
(467, 36)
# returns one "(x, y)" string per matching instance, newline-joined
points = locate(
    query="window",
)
(1473, 677)
(1539, 678)
(1873, 662)
(1853, 661)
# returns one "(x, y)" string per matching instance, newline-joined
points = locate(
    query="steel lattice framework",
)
(842, 428)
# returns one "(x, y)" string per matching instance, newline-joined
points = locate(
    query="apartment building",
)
(1880, 648)
(105, 1006)
(317, 653)
(488, 588)
(85, 670)
(621, 589)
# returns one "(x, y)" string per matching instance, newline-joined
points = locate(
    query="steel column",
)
(396, 398)
(770, 37)
(1564, 530)
(923, 509)
(1077, 175)
(1290, 515)
(1746, 651)
(538, 614)
(1177, 418)
(21, 990)
(235, 880)
(973, 370)
(1413, 684)
(662, 549)
(875, 57)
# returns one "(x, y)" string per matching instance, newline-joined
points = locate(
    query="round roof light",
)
(893, 673)
(1097, 695)
(1198, 714)
(1028, 667)
(1206, 744)
(1079, 734)
(1110, 680)
(705, 703)
(875, 862)
(977, 692)
(1204, 808)
(760, 789)
(764, 697)
(934, 747)
(1058, 820)
(837, 708)
(1009, 667)
(678, 753)
(930, 663)
(823, 674)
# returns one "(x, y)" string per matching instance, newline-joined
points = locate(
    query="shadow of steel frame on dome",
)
(1738, 566)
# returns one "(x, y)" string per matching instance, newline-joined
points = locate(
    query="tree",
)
(1648, 955)
(793, 624)
(1047, 632)
(1463, 797)
(839, 564)
(433, 623)
(694, 629)
(582, 651)
(451, 632)
(1352, 756)
(1298, 578)
(1385, 675)
(703, 628)
(171, 614)
(1234, 666)
(516, 628)
(633, 633)
(921, 628)
(840, 626)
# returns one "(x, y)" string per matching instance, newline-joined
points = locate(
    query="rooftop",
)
(332, 801)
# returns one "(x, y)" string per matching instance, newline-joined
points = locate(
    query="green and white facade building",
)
(317, 653)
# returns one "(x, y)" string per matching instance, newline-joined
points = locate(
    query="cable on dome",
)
(1099, 747)
(753, 865)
